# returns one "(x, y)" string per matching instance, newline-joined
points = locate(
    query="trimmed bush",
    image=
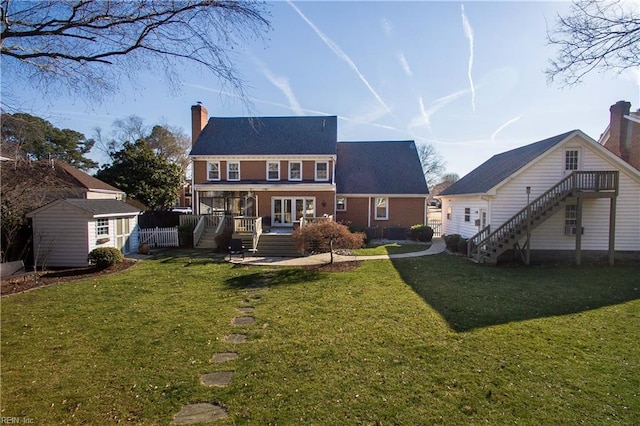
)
(421, 233)
(451, 241)
(462, 246)
(321, 236)
(103, 257)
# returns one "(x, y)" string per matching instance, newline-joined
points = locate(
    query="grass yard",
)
(433, 340)
(389, 248)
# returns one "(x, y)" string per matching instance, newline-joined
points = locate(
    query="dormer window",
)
(295, 170)
(233, 170)
(322, 170)
(273, 170)
(213, 171)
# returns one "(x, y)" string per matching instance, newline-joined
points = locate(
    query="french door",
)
(285, 211)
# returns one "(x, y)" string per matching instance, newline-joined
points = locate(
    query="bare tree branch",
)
(87, 46)
(596, 35)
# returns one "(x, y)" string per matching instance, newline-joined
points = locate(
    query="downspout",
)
(369, 213)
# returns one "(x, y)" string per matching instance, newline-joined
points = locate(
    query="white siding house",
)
(65, 231)
(497, 190)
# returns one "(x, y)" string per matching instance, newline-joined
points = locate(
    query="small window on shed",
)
(449, 212)
(467, 214)
(102, 227)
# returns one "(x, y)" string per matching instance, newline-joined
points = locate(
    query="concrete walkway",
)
(437, 246)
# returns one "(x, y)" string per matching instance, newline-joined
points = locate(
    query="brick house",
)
(269, 174)
(622, 136)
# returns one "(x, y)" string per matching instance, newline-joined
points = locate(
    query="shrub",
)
(462, 246)
(421, 233)
(104, 257)
(451, 242)
(322, 236)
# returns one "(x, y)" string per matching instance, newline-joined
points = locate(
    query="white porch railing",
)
(199, 230)
(246, 224)
(304, 221)
(436, 225)
(160, 237)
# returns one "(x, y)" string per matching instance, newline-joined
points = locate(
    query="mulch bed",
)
(28, 282)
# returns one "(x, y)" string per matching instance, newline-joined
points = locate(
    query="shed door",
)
(123, 232)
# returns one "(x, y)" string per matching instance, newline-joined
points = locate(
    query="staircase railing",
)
(198, 230)
(575, 182)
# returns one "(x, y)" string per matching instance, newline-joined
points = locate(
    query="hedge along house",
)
(552, 199)
(66, 230)
(265, 175)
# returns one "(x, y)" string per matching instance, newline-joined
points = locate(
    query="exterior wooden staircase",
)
(486, 246)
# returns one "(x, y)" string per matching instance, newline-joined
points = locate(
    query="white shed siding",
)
(60, 237)
(457, 224)
(113, 240)
(543, 174)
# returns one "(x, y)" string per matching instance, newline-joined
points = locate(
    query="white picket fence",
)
(160, 237)
(436, 225)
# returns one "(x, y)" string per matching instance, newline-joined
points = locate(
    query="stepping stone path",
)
(224, 357)
(199, 413)
(219, 378)
(208, 412)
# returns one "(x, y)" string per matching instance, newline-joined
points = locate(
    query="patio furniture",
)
(236, 247)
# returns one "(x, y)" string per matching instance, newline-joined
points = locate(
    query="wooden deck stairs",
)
(487, 246)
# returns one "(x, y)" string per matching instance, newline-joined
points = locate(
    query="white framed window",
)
(213, 170)
(571, 159)
(102, 227)
(233, 170)
(467, 214)
(341, 204)
(273, 170)
(449, 213)
(382, 208)
(570, 219)
(295, 170)
(322, 170)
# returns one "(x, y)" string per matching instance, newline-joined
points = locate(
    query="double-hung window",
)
(273, 170)
(322, 170)
(102, 227)
(467, 214)
(213, 171)
(382, 208)
(570, 219)
(295, 170)
(233, 170)
(571, 159)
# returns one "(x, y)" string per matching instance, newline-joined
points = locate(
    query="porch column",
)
(612, 230)
(579, 231)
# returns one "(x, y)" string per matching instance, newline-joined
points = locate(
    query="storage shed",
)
(66, 230)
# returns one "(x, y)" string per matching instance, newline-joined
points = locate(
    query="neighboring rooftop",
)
(86, 180)
(501, 166)
(102, 207)
(390, 167)
(309, 135)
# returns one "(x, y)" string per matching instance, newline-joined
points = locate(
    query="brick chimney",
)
(619, 130)
(199, 117)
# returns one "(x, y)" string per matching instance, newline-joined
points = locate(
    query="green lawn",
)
(390, 248)
(418, 341)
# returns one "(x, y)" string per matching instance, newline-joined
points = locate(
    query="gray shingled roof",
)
(268, 136)
(501, 166)
(97, 207)
(391, 167)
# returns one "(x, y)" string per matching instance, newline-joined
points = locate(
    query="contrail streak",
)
(468, 32)
(501, 128)
(341, 54)
(281, 83)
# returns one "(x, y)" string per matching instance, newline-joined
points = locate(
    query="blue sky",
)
(465, 77)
